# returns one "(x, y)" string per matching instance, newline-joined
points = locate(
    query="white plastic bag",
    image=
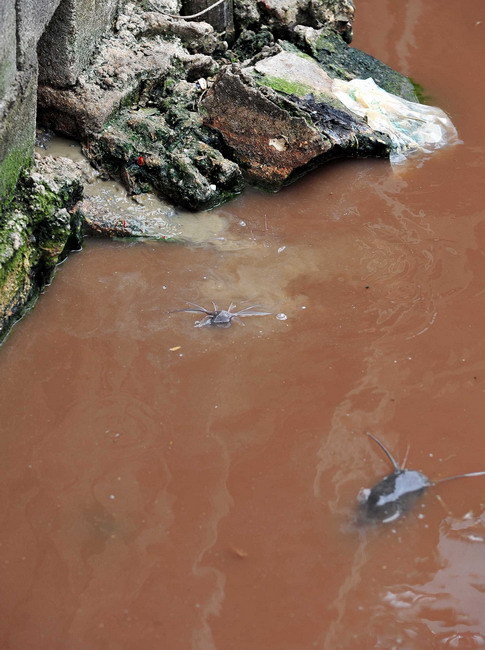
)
(411, 127)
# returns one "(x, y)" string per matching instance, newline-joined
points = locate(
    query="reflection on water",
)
(164, 486)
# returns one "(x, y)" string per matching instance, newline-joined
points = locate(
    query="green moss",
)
(3, 76)
(324, 43)
(421, 93)
(299, 90)
(16, 161)
(36, 232)
(284, 86)
(344, 62)
(289, 47)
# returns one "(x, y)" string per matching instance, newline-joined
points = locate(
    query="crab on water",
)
(221, 317)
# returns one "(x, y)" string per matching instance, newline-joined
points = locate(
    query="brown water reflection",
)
(168, 487)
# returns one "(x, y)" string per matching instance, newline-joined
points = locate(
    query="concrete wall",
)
(55, 37)
(32, 19)
(67, 44)
(8, 45)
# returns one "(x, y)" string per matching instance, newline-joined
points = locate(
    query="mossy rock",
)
(345, 62)
(36, 233)
(168, 152)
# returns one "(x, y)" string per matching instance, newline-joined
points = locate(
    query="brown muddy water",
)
(168, 487)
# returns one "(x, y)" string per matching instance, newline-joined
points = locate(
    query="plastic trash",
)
(412, 127)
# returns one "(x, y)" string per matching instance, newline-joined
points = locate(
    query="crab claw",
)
(202, 323)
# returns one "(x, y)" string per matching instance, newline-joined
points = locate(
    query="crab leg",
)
(198, 306)
(197, 309)
(246, 308)
(252, 313)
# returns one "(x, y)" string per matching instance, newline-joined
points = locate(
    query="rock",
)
(127, 67)
(100, 221)
(280, 118)
(220, 16)
(335, 15)
(250, 44)
(117, 75)
(196, 37)
(37, 233)
(346, 63)
(107, 213)
(283, 15)
(139, 123)
(165, 149)
(70, 38)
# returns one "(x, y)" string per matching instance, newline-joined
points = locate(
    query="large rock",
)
(32, 18)
(280, 118)
(165, 150)
(130, 64)
(36, 234)
(121, 70)
(196, 36)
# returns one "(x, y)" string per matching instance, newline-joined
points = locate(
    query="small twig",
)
(201, 13)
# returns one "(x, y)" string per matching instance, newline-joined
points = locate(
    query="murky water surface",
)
(164, 486)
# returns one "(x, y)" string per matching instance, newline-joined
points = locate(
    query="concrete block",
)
(68, 43)
(17, 132)
(33, 16)
(8, 46)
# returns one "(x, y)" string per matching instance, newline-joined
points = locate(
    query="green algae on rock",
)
(167, 149)
(345, 62)
(36, 233)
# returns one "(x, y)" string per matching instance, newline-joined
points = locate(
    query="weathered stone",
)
(246, 13)
(68, 30)
(8, 46)
(36, 234)
(68, 42)
(148, 150)
(337, 15)
(345, 62)
(283, 15)
(265, 139)
(101, 221)
(250, 44)
(280, 119)
(162, 6)
(196, 36)
(17, 132)
(32, 18)
(120, 70)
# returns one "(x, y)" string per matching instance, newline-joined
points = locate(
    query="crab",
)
(221, 317)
